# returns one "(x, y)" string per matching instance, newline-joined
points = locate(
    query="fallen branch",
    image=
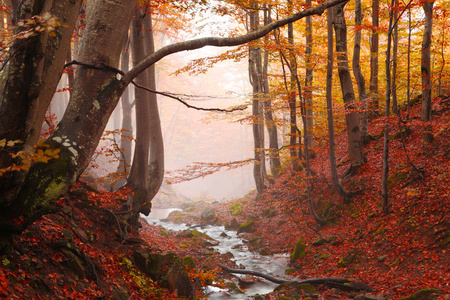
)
(337, 282)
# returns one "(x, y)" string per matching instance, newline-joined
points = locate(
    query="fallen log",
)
(336, 282)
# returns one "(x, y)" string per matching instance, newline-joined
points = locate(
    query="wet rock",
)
(234, 225)
(167, 269)
(246, 227)
(208, 216)
(224, 235)
(265, 252)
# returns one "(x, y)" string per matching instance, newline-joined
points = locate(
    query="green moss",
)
(164, 232)
(246, 227)
(424, 294)
(236, 209)
(299, 250)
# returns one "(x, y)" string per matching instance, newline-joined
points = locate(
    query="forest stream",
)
(231, 242)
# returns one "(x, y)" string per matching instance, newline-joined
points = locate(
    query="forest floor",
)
(86, 251)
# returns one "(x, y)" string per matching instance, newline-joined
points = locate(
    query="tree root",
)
(336, 282)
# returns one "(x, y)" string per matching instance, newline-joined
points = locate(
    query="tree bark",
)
(426, 71)
(30, 75)
(394, 60)
(329, 95)
(374, 43)
(360, 81)
(351, 115)
(308, 93)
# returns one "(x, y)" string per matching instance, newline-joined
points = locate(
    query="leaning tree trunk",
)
(351, 115)
(29, 78)
(426, 71)
(96, 93)
(329, 94)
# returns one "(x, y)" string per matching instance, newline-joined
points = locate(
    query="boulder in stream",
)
(208, 216)
(167, 269)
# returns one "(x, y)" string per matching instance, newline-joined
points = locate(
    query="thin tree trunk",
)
(394, 61)
(255, 69)
(270, 123)
(408, 87)
(384, 188)
(360, 81)
(308, 95)
(351, 114)
(374, 44)
(293, 100)
(426, 71)
(329, 94)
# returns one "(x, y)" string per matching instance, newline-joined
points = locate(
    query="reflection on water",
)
(272, 265)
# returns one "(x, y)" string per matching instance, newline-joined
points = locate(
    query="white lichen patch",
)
(66, 144)
(96, 104)
(57, 139)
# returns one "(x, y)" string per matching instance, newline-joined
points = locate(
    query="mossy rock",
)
(236, 209)
(348, 259)
(299, 250)
(120, 293)
(424, 294)
(269, 212)
(234, 288)
(404, 132)
(246, 227)
(167, 269)
(265, 252)
(188, 262)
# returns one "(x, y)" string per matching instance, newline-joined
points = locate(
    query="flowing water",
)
(272, 265)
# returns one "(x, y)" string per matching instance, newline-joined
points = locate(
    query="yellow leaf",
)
(2, 143)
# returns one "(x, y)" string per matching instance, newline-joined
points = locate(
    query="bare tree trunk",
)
(329, 94)
(408, 84)
(270, 123)
(295, 138)
(384, 188)
(394, 60)
(426, 71)
(373, 88)
(361, 83)
(308, 93)
(351, 115)
(255, 69)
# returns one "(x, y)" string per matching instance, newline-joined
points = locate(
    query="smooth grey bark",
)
(271, 126)
(426, 71)
(308, 93)
(28, 79)
(374, 45)
(329, 95)
(351, 114)
(360, 81)
(255, 72)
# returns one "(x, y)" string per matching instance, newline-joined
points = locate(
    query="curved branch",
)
(223, 42)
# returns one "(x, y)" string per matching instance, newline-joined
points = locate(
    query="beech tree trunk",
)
(351, 114)
(360, 81)
(329, 95)
(308, 93)
(271, 126)
(374, 43)
(29, 77)
(426, 71)
(255, 71)
(394, 60)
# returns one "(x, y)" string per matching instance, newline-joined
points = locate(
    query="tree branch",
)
(223, 42)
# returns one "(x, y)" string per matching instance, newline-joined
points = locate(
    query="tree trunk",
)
(394, 60)
(270, 123)
(426, 71)
(351, 115)
(29, 78)
(408, 84)
(361, 83)
(374, 43)
(295, 140)
(255, 71)
(329, 94)
(308, 93)
(384, 188)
